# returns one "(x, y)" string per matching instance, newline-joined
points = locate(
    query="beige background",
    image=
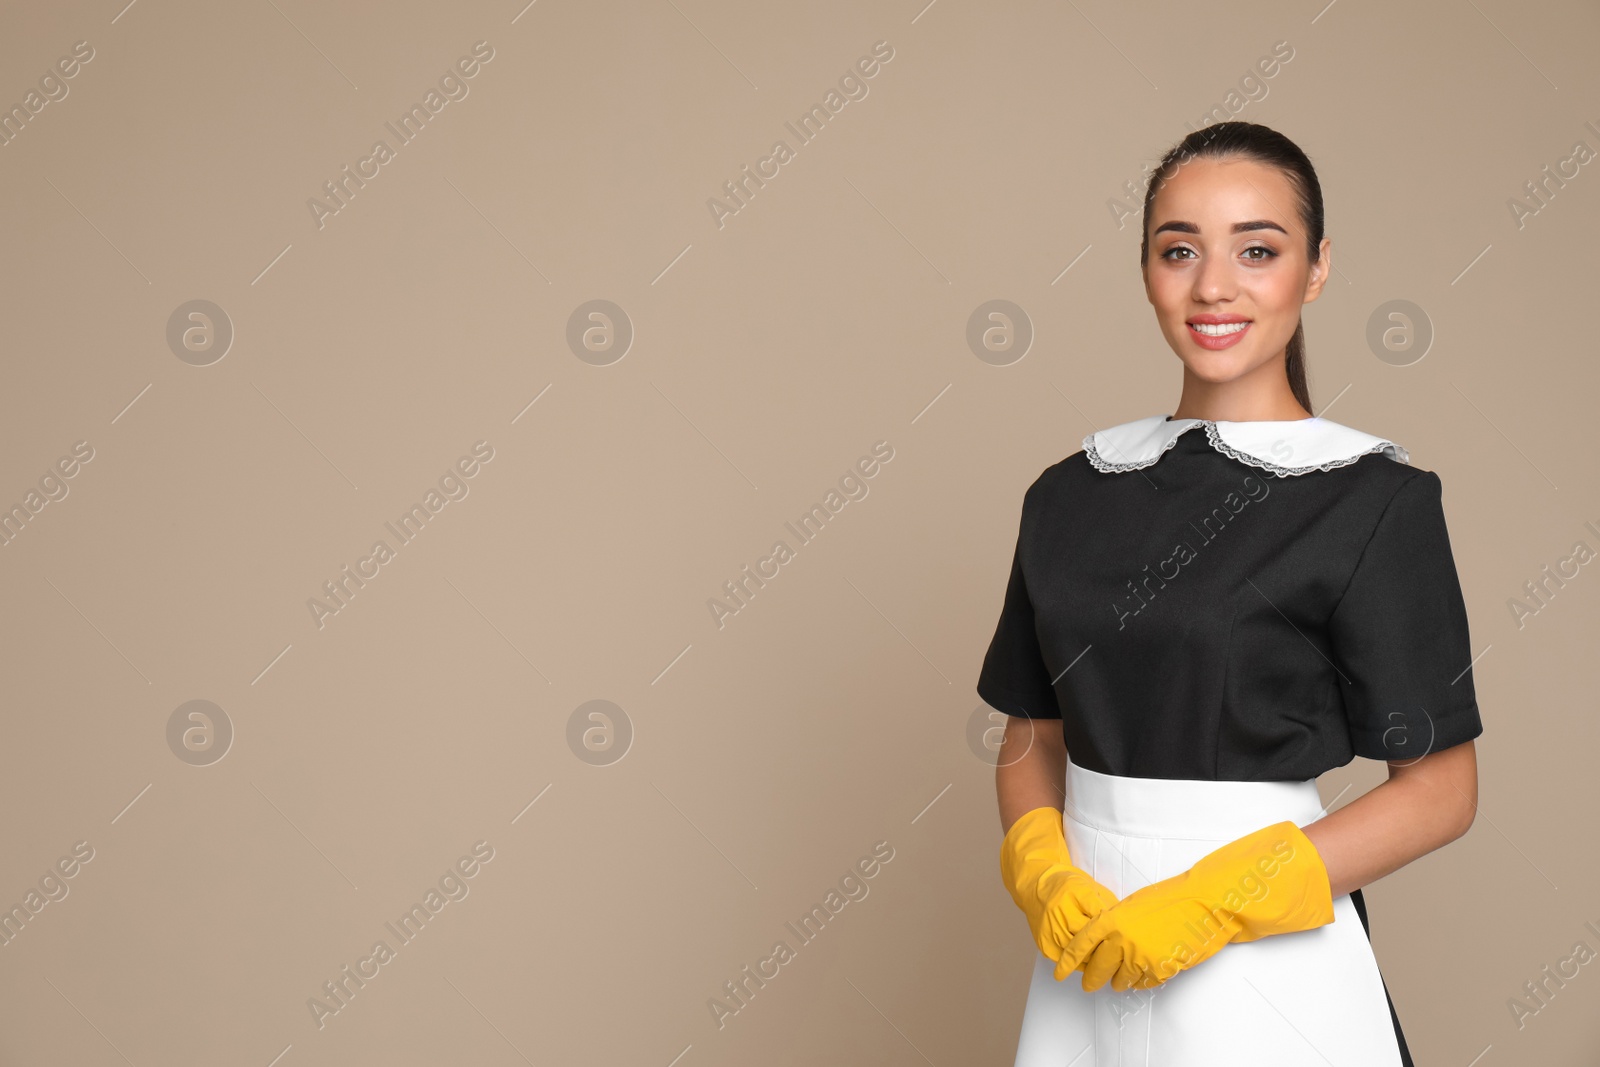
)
(835, 710)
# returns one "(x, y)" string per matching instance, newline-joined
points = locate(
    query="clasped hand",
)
(1145, 938)
(1271, 881)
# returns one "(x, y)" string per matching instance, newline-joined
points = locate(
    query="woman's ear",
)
(1319, 270)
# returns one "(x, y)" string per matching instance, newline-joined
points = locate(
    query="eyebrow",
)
(1238, 227)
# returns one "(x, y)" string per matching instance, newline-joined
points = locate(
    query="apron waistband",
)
(1185, 808)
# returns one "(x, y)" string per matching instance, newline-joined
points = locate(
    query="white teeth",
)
(1218, 331)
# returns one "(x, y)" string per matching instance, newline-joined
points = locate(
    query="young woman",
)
(1206, 611)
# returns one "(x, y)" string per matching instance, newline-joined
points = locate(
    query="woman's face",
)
(1228, 302)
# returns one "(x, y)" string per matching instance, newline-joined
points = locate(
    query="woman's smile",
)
(1217, 331)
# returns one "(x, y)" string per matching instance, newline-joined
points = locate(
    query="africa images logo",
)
(1211, 526)
(340, 990)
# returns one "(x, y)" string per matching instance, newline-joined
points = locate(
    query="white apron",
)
(1312, 998)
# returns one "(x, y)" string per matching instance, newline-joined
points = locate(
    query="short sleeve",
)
(1014, 678)
(1399, 635)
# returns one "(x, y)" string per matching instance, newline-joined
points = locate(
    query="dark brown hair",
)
(1262, 144)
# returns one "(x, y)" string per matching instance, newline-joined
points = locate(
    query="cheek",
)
(1278, 292)
(1168, 292)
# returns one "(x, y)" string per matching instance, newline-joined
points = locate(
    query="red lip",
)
(1209, 319)
(1216, 344)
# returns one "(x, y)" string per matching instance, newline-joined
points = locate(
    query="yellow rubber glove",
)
(1271, 881)
(1058, 898)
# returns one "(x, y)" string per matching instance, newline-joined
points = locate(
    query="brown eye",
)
(1269, 253)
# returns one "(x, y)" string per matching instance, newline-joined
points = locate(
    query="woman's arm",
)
(1032, 768)
(1426, 803)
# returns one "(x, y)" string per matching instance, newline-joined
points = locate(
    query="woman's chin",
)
(1216, 367)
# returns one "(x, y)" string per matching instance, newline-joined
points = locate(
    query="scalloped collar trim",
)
(1294, 446)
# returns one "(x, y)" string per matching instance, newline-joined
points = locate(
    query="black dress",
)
(1236, 601)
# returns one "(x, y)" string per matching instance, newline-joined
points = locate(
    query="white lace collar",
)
(1280, 446)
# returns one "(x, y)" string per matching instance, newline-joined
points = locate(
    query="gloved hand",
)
(1058, 898)
(1271, 881)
